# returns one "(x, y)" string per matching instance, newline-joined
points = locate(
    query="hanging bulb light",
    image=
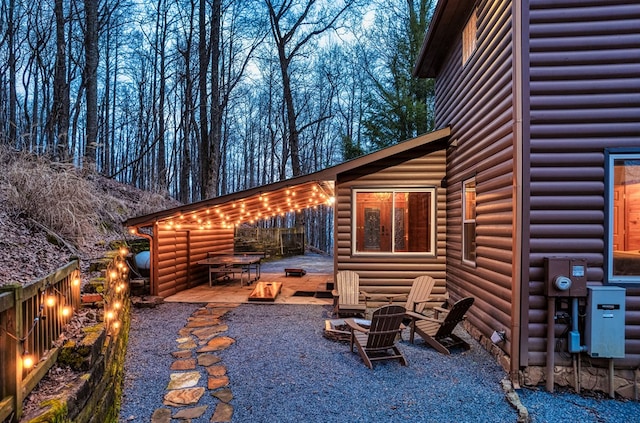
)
(66, 311)
(51, 300)
(27, 360)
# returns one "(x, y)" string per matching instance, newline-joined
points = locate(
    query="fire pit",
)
(337, 329)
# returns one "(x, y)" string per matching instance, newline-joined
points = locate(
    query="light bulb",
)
(51, 300)
(27, 360)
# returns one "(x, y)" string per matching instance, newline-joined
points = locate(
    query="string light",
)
(27, 360)
(50, 301)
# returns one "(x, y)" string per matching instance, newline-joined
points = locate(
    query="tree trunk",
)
(211, 187)
(162, 162)
(91, 79)
(13, 96)
(203, 60)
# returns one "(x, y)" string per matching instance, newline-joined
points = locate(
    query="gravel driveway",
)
(282, 369)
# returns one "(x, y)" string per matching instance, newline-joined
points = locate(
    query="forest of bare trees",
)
(199, 98)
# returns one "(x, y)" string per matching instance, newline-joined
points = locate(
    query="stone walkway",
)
(197, 345)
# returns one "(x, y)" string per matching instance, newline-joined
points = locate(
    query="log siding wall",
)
(476, 101)
(585, 97)
(178, 251)
(392, 273)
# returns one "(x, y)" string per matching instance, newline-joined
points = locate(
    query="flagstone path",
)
(197, 345)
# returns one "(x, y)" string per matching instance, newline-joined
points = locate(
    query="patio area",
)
(310, 288)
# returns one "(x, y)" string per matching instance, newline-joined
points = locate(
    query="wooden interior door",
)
(631, 218)
(618, 218)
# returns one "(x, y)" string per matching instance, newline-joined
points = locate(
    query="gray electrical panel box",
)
(604, 332)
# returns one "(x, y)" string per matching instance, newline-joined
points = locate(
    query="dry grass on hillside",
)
(52, 211)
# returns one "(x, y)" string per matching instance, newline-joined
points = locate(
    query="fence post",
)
(13, 368)
(17, 365)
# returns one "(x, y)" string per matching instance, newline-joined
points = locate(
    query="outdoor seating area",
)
(358, 316)
(378, 341)
(438, 332)
(227, 265)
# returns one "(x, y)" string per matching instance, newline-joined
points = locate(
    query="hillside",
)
(51, 212)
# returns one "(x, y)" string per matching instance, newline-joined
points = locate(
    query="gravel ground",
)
(282, 369)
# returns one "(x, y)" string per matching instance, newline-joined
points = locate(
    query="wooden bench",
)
(294, 272)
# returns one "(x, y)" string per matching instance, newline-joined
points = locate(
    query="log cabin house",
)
(527, 199)
(543, 181)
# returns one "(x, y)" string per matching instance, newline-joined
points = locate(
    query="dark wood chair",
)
(439, 332)
(378, 342)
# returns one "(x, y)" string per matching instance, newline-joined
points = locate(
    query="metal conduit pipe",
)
(574, 342)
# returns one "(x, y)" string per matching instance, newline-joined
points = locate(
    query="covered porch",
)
(310, 288)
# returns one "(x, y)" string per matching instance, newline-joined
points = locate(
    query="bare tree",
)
(58, 122)
(91, 79)
(293, 27)
(13, 96)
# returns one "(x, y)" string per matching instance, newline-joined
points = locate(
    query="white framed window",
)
(469, 220)
(470, 37)
(623, 217)
(394, 221)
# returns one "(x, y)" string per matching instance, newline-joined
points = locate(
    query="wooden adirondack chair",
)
(378, 342)
(346, 296)
(439, 332)
(420, 294)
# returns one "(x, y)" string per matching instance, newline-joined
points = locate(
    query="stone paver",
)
(207, 360)
(183, 380)
(161, 415)
(190, 413)
(217, 344)
(216, 370)
(224, 395)
(180, 397)
(223, 413)
(195, 344)
(182, 354)
(185, 364)
(217, 382)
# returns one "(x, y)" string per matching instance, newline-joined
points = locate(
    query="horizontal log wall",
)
(584, 87)
(392, 273)
(178, 252)
(476, 101)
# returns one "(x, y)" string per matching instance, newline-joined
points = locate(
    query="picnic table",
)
(230, 264)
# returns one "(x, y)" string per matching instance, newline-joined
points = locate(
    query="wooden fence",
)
(272, 241)
(32, 317)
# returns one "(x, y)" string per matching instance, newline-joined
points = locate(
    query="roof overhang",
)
(243, 207)
(279, 198)
(446, 24)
